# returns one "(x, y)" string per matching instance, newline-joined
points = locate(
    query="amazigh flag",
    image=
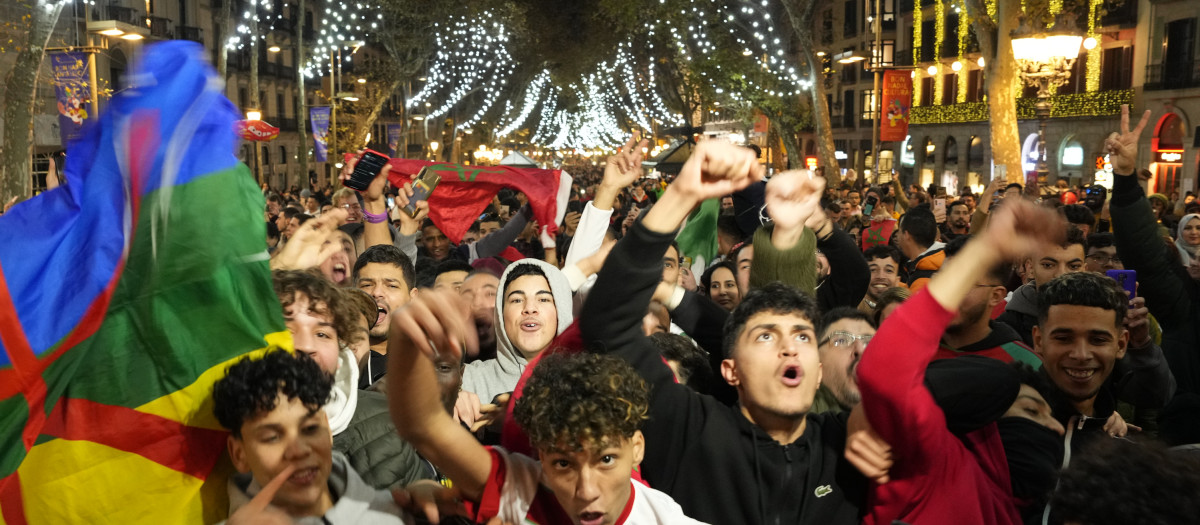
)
(465, 191)
(698, 238)
(123, 297)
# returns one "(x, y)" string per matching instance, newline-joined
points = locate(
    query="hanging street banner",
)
(72, 93)
(319, 116)
(897, 100)
(393, 139)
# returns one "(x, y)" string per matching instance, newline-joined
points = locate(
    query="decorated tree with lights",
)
(20, 97)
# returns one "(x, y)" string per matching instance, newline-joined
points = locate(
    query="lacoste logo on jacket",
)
(823, 490)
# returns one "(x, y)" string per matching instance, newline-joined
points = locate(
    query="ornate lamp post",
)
(1044, 60)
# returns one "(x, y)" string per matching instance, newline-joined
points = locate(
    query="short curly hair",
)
(581, 402)
(1083, 289)
(252, 386)
(320, 291)
(1120, 481)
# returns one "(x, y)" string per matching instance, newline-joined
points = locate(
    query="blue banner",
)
(319, 116)
(72, 93)
(393, 139)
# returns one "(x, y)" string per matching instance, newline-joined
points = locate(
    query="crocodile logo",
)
(823, 490)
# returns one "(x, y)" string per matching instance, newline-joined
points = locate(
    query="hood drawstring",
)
(1066, 457)
(762, 504)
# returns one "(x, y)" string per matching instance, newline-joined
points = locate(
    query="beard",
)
(967, 318)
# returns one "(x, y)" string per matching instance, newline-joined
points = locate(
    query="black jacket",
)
(717, 465)
(1173, 299)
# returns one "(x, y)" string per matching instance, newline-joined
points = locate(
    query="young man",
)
(1102, 253)
(938, 476)
(582, 414)
(885, 263)
(958, 223)
(272, 409)
(972, 331)
(1081, 338)
(918, 241)
(322, 323)
(776, 460)
(387, 274)
(1047, 263)
(533, 306)
(479, 290)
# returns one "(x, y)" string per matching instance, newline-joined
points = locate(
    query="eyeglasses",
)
(843, 339)
(349, 207)
(1100, 258)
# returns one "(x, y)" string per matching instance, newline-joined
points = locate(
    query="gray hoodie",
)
(354, 500)
(492, 377)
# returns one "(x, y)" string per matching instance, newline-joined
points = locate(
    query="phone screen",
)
(365, 171)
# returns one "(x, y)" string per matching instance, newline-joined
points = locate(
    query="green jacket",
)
(375, 449)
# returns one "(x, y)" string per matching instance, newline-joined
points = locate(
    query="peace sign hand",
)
(1122, 147)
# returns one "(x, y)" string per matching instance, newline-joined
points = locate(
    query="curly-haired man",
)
(582, 413)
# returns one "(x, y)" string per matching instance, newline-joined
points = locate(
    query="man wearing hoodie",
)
(532, 307)
(1049, 262)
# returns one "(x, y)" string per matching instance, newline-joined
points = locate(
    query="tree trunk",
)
(800, 13)
(363, 124)
(788, 137)
(20, 99)
(301, 109)
(222, 25)
(1003, 81)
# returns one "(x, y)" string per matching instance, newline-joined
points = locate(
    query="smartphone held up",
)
(370, 163)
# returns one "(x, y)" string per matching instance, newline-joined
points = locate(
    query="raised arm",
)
(374, 204)
(892, 371)
(849, 275)
(498, 240)
(432, 322)
(793, 199)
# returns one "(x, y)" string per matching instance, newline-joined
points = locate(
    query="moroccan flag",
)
(465, 191)
(698, 238)
(878, 232)
(123, 297)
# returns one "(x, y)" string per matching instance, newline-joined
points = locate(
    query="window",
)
(949, 89)
(927, 40)
(850, 20)
(889, 53)
(848, 111)
(266, 156)
(950, 42)
(827, 27)
(280, 109)
(1076, 83)
(889, 14)
(243, 100)
(975, 85)
(283, 155)
(1116, 68)
(869, 110)
(850, 73)
(926, 91)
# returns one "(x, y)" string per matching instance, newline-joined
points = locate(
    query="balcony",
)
(904, 58)
(285, 72)
(1160, 77)
(1096, 104)
(284, 124)
(160, 27)
(266, 68)
(119, 13)
(195, 34)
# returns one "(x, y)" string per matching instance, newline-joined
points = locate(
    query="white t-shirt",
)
(514, 492)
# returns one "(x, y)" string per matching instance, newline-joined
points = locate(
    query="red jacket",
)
(937, 477)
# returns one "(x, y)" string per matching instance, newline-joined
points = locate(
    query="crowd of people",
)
(865, 353)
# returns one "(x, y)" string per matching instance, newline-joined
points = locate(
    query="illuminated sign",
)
(839, 155)
(810, 162)
(1169, 156)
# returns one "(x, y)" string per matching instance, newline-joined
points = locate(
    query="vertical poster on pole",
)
(319, 116)
(393, 139)
(71, 90)
(897, 100)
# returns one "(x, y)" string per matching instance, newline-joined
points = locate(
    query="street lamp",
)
(433, 146)
(1044, 59)
(254, 114)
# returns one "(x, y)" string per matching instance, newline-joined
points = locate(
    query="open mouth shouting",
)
(792, 375)
(591, 518)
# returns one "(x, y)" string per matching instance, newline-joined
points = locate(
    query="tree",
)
(800, 15)
(20, 88)
(1000, 74)
(382, 80)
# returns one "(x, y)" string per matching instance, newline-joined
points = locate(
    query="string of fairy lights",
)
(468, 75)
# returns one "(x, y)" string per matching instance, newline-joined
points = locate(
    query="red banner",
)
(897, 100)
(255, 130)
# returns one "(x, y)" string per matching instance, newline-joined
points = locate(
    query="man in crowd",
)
(1102, 253)
(388, 275)
(1048, 263)
(958, 223)
(918, 242)
(844, 333)
(346, 199)
(885, 263)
